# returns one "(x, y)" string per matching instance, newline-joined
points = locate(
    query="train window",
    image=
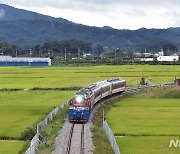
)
(98, 93)
(105, 89)
(116, 86)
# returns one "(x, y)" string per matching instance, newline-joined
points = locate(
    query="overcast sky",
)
(120, 14)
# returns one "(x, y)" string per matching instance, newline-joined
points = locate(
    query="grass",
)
(11, 147)
(146, 145)
(145, 116)
(162, 92)
(146, 122)
(54, 77)
(51, 131)
(21, 109)
(100, 140)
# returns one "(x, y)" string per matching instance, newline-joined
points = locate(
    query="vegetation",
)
(7, 48)
(145, 117)
(146, 145)
(100, 139)
(21, 109)
(146, 122)
(68, 46)
(60, 77)
(49, 133)
(9, 147)
(32, 29)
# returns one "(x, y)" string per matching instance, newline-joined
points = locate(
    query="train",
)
(81, 104)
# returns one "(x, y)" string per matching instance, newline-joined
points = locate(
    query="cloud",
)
(132, 14)
(2, 13)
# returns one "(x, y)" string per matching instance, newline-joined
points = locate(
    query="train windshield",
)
(79, 99)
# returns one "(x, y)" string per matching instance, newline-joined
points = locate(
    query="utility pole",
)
(30, 52)
(16, 53)
(145, 50)
(79, 54)
(49, 53)
(65, 54)
(115, 54)
(61, 56)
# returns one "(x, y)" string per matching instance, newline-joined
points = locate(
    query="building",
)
(23, 61)
(168, 58)
(161, 53)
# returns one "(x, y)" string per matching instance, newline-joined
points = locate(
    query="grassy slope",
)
(21, 109)
(11, 147)
(157, 113)
(20, 77)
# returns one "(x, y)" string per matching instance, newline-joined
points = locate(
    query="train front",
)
(78, 109)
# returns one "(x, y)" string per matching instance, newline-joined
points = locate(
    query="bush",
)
(28, 134)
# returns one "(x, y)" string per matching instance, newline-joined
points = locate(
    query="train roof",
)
(88, 91)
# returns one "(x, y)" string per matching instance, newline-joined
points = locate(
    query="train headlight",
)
(79, 99)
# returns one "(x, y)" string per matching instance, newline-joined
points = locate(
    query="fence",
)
(40, 126)
(111, 137)
(106, 127)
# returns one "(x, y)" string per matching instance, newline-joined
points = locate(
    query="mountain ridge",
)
(30, 29)
(12, 13)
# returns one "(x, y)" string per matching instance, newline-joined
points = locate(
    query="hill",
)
(10, 13)
(27, 29)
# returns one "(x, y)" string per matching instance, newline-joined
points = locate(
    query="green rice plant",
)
(21, 109)
(147, 145)
(58, 77)
(145, 117)
(11, 147)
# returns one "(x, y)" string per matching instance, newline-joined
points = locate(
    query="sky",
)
(119, 14)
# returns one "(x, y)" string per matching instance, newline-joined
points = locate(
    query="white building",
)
(147, 59)
(24, 61)
(168, 58)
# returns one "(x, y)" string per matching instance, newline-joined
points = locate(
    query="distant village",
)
(45, 60)
(138, 56)
(155, 57)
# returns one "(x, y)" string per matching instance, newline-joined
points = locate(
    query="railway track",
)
(76, 139)
(70, 139)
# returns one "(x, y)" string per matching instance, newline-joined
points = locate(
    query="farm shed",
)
(24, 61)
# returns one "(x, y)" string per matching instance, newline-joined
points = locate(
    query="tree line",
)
(72, 48)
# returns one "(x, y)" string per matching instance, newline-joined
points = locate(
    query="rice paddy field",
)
(144, 124)
(146, 145)
(11, 147)
(28, 77)
(21, 109)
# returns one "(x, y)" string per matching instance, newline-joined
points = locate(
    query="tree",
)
(71, 46)
(98, 49)
(7, 48)
(169, 48)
